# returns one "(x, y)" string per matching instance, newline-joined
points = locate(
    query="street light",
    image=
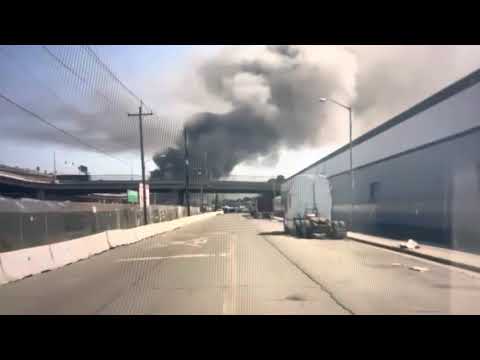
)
(350, 112)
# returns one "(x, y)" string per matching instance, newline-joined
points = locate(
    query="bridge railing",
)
(247, 178)
(193, 179)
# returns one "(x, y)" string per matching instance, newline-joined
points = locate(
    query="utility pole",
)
(144, 190)
(54, 167)
(204, 175)
(187, 177)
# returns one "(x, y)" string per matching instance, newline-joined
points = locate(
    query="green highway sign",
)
(132, 196)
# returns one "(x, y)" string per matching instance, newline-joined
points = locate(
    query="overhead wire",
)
(46, 122)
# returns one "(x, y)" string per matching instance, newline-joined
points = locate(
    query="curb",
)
(434, 258)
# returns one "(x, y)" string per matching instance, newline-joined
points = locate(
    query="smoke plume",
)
(271, 95)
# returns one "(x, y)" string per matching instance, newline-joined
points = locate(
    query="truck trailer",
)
(308, 208)
(262, 207)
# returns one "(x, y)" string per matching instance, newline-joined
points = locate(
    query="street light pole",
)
(187, 177)
(352, 179)
(204, 173)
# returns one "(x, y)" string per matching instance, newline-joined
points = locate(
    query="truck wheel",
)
(308, 232)
(338, 231)
(305, 230)
(298, 232)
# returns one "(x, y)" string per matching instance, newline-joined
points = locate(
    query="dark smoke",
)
(226, 139)
(273, 94)
(273, 105)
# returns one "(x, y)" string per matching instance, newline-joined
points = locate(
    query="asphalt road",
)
(231, 264)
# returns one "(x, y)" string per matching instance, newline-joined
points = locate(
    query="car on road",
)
(228, 209)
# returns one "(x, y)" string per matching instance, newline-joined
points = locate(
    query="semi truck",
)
(262, 207)
(278, 206)
(308, 208)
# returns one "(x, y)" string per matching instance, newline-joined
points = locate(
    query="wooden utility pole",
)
(54, 167)
(144, 190)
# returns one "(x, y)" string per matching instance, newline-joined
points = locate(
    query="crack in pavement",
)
(322, 286)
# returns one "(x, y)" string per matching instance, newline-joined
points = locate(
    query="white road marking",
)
(230, 296)
(183, 256)
(199, 242)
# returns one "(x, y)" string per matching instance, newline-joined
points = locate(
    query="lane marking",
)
(230, 296)
(183, 256)
(198, 242)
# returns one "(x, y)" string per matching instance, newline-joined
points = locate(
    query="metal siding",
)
(431, 195)
(452, 116)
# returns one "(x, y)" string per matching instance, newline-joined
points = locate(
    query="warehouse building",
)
(417, 175)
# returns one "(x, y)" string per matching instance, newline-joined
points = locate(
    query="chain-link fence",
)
(29, 222)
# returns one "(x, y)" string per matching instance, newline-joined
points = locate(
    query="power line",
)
(74, 72)
(93, 86)
(168, 127)
(46, 122)
(106, 67)
(17, 62)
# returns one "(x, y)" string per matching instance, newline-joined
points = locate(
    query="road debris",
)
(410, 244)
(418, 268)
(396, 264)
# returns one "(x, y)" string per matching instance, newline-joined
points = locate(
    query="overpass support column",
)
(41, 194)
(181, 197)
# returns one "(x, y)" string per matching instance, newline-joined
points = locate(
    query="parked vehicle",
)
(278, 206)
(262, 207)
(308, 208)
(228, 209)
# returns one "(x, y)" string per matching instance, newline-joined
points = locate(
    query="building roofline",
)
(447, 92)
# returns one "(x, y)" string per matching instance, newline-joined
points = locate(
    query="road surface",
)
(232, 264)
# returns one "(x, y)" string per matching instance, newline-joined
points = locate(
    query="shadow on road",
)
(273, 233)
(282, 233)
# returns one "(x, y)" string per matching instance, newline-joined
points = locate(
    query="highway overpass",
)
(42, 190)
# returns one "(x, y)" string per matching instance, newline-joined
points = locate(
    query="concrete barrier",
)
(146, 231)
(3, 278)
(143, 232)
(19, 264)
(121, 237)
(67, 252)
(97, 243)
(15, 265)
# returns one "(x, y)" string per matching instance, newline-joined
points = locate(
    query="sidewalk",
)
(456, 258)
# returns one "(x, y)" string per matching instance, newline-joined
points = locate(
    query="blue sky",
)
(135, 65)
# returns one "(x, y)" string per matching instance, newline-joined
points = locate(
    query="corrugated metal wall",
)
(418, 179)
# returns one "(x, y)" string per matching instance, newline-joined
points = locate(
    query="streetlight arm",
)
(336, 102)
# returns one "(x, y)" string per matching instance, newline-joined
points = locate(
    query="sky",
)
(178, 82)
